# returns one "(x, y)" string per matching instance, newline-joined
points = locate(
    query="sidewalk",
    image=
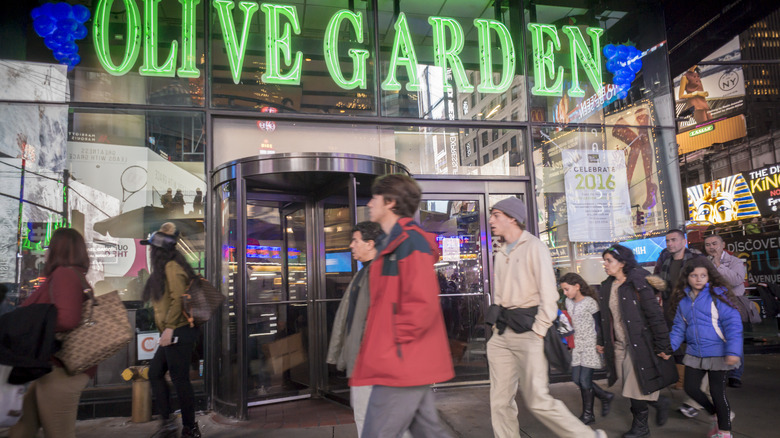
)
(466, 412)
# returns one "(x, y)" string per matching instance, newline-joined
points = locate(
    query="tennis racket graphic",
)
(133, 179)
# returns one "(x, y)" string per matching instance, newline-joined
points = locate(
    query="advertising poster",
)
(630, 134)
(596, 195)
(761, 253)
(724, 200)
(713, 91)
(764, 185)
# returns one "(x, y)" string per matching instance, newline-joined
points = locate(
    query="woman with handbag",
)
(169, 279)
(51, 402)
(635, 337)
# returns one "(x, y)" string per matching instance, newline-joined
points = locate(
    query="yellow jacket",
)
(167, 311)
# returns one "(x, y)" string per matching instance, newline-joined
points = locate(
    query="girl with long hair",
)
(583, 307)
(707, 320)
(51, 402)
(634, 332)
(171, 274)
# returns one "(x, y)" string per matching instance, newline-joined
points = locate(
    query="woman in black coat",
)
(635, 336)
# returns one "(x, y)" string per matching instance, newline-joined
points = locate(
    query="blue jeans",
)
(582, 376)
(736, 373)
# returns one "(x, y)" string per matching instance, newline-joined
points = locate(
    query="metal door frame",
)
(241, 171)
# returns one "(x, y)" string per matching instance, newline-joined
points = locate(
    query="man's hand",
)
(731, 360)
(600, 349)
(664, 356)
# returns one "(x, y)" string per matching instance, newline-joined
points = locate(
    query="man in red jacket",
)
(405, 347)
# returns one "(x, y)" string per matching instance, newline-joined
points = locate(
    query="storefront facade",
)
(258, 127)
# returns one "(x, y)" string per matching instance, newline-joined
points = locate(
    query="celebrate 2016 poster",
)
(597, 200)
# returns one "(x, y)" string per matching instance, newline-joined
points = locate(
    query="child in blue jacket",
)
(706, 319)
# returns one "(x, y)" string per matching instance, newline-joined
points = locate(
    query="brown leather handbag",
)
(103, 331)
(200, 301)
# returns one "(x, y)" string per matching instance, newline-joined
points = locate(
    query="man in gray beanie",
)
(524, 286)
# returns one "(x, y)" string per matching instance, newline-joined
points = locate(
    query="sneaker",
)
(723, 434)
(689, 411)
(734, 382)
(714, 430)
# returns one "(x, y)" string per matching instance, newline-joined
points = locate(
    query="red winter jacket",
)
(405, 342)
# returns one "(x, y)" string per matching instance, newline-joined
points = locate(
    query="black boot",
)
(639, 428)
(605, 397)
(587, 406)
(190, 432)
(661, 410)
(167, 429)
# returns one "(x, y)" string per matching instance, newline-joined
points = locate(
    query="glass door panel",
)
(338, 220)
(226, 343)
(276, 290)
(458, 221)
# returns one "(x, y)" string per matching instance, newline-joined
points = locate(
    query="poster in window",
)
(597, 198)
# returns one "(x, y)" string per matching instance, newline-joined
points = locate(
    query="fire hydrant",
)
(142, 395)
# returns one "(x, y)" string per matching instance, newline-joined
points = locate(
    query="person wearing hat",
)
(167, 199)
(168, 282)
(525, 291)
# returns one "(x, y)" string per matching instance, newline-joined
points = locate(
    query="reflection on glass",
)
(458, 229)
(269, 243)
(295, 236)
(338, 256)
(277, 349)
(226, 344)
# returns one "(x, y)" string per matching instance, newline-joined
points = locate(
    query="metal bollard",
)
(142, 394)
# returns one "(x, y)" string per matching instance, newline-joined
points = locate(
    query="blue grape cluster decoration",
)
(624, 62)
(60, 25)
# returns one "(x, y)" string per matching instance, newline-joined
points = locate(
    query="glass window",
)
(599, 86)
(304, 82)
(422, 149)
(422, 88)
(614, 180)
(117, 69)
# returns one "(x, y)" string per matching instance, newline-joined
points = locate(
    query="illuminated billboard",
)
(724, 200)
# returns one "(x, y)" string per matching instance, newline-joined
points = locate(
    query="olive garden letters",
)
(283, 63)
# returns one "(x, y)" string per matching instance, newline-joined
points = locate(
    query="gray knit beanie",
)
(514, 208)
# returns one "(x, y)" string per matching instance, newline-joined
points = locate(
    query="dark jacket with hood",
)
(644, 325)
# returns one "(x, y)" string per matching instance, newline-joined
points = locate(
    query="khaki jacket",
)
(525, 278)
(167, 311)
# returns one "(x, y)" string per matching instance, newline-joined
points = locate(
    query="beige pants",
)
(51, 402)
(519, 360)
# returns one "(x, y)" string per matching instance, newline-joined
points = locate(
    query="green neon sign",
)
(544, 60)
(150, 67)
(359, 56)
(284, 65)
(591, 63)
(485, 56)
(276, 43)
(234, 47)
(188, 37)
(402, 43)
(132, 42)
(444, 55)
(702, 130)
(545, 42)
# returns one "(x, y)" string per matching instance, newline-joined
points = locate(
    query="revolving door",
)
(283, 225)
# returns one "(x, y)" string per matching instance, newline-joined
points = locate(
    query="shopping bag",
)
(11, 397)
(200, 301)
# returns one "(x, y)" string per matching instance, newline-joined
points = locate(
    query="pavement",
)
(466, 413)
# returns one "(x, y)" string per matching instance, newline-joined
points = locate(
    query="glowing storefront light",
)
(359, 56)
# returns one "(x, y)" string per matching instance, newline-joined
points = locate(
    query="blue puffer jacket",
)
(694, 324)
